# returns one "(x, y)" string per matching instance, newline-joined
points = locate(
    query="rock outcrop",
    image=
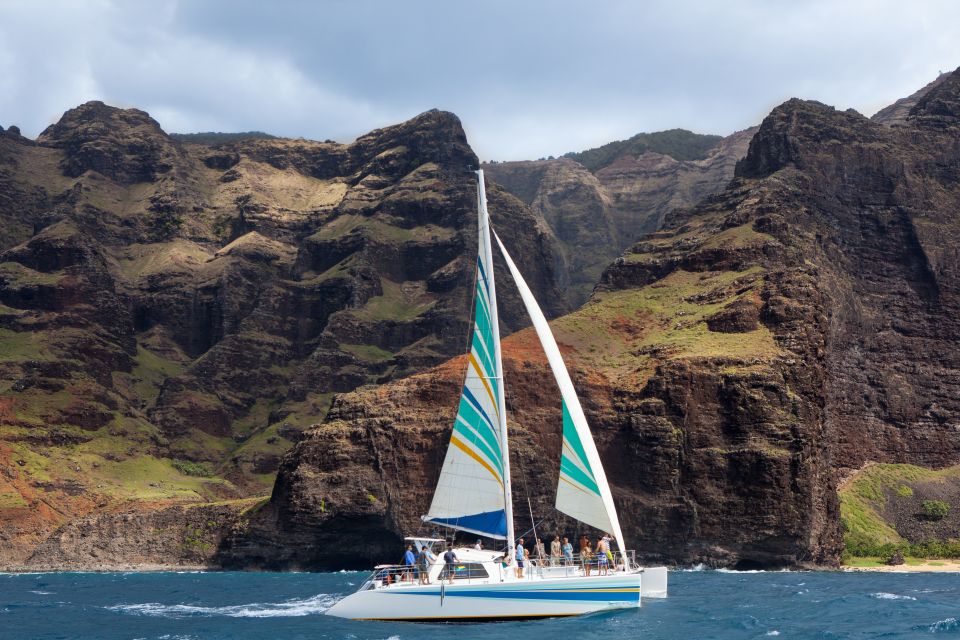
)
(733, 365)
(173, 315)
(598, 212)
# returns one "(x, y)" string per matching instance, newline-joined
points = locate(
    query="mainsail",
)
(582, 492)
(473, 492)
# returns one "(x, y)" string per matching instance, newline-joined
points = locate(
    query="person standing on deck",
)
(586, 555)
(520, 556)
(584, 543)
(567, 549)
(555, 551)
(450, 558)
(479, 545)
(602, 560)
(608, 550)
(540, 552)
(409, 560)
(423, 564)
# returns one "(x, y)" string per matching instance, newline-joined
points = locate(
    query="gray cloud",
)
(527, 78)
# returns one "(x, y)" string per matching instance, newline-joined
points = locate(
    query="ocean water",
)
(290, 606)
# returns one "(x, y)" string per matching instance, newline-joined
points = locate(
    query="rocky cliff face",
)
(599, 212)
(173, 315)
(732, 365)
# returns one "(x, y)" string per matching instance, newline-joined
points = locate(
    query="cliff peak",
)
(780, 141)
(432, 136)
(126, 145)
(940, 106)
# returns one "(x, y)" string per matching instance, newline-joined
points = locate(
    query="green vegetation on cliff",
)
(881, 511)
(679, 144)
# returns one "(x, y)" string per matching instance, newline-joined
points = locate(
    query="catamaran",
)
(474, 495)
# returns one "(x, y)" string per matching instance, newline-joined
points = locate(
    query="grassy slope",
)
(862, 500)
(679, 144)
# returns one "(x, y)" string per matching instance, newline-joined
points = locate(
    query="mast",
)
(487, 251)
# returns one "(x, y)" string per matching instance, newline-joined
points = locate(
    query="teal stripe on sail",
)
(483, 328)
(489, 444)
(480, 447)
(575, 474)
(483, 306)
(482, 357)
(576, 469)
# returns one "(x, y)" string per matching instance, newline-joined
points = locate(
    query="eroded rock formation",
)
(599, 212)
(732, 365)
(173, 315)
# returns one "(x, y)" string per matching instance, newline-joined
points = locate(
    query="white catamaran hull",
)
(514, 600)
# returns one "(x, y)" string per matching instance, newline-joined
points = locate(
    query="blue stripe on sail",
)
(476, 405)
(483, 275)
(462, 427)
(487, 437)
(492, 522)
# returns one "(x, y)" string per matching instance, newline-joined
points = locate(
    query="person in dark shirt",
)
(451, 559)
(424, 558)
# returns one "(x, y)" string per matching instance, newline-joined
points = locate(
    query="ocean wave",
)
(43, 593)
(772, 632)
(756, 571)
(292, 608)
(890, 596)
(950, 624)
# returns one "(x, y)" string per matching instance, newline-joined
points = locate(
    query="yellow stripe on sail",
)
(577, 486)
(460, 444)
(486, 385)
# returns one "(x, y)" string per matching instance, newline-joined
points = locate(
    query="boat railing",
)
(580, 564)
(575, 565)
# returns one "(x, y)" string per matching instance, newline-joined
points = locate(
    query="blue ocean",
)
(702, 604)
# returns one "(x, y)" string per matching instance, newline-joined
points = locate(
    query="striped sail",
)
(475, 477)
(582, 491)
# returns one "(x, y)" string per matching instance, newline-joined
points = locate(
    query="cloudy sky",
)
(528, 79)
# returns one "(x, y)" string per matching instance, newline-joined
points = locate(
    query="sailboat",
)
(474, 495)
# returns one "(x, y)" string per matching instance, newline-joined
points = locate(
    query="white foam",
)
(43, 593)
(950, 624)
(890, 596)
(755, 571)
(772, 632)
(292, 608)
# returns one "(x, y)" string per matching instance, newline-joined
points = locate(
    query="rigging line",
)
(526, 490)
(532, 529)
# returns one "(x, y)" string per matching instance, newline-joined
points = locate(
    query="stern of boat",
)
(653, 582)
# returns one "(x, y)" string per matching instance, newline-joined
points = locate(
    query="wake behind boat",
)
(474, 495)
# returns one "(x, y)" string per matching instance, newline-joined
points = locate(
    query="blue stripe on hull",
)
(542, 594)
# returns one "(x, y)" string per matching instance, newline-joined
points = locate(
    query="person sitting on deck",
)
(520, 557)
(450, 558)
(479, 545)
